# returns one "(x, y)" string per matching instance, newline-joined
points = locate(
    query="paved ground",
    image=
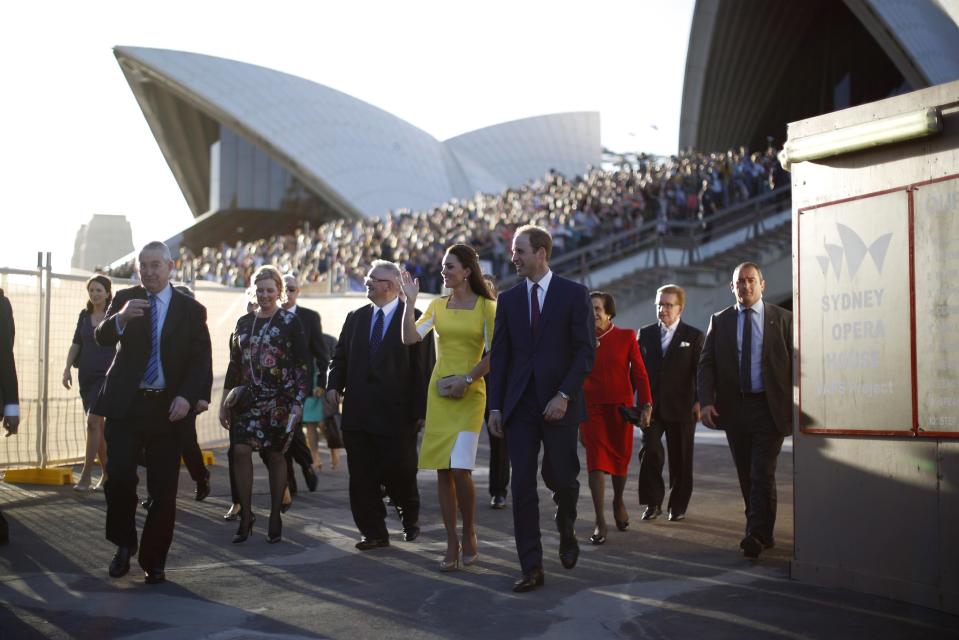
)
(657, 580)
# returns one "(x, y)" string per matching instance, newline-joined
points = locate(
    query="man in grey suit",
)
(746, 388)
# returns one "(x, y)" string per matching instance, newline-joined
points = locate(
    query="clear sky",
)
(74, 142)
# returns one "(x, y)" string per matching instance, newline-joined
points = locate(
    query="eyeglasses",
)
(667, 305)
(371, 279)
(291, 289)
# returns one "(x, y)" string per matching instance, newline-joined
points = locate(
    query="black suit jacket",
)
(558, 359)
(388, 394)
(185, 352)
(319, 355)
(719, 367)
(672, 376)
(8, 368)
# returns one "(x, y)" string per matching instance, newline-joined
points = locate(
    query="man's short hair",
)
(156, 245)
(674, 288)
(743, 265)
(389, 266)
(539, 238)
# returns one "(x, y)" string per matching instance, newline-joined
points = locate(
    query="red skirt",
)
(608, 439)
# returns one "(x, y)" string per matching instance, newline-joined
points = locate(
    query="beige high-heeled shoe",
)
(470, 560)
(447, 565)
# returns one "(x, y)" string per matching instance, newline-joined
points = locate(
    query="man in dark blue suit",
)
(543, 348)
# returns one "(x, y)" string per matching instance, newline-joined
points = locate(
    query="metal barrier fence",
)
(45, 309)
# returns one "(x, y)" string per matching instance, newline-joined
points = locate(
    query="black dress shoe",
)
(497, 502)
(411, 533)
(365, 544)
(146, 504)
(652, 512)
(568, 551)
(534, 578)
(120, 565)
(310, 476)
(751, 547)
(202, 489)
(676, 516)
(154, 576)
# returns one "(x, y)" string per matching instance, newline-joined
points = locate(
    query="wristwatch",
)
(564, 396)
(469, 380)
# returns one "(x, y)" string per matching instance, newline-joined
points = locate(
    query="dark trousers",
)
(298, 452)
(4, 530)
(375, 460)
(146, 432)
(498, 466)
(755, 445)
(525, 430)
(190, 449)
(652, 457)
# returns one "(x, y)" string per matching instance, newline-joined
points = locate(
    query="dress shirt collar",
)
(543, 282)
(758, 307)
(164, 296)
(387, 308)
(671, 328)
(291, 309)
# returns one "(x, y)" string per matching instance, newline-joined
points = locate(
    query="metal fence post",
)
(45, 363)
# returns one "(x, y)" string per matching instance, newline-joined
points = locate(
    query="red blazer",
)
(618, 372)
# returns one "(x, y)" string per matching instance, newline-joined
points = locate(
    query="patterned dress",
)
(269, 356)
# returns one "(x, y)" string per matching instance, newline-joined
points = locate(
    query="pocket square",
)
(683, 344)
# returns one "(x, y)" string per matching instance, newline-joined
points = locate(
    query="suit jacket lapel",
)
(549, 303)
(173, 316)
(363, 320)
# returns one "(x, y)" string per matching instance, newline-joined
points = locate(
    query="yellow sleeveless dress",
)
(453, 425)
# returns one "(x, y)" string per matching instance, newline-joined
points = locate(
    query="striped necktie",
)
(152, 374)
(377, 338)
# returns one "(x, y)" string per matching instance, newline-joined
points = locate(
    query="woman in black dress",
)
(268, 357)
(92, 362)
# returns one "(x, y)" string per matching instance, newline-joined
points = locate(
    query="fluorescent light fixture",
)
(905, 126)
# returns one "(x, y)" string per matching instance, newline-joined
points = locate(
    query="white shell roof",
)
(362, 158)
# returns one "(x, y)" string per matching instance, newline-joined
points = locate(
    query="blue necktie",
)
(745, 362)
(153, 364)
(377, 338)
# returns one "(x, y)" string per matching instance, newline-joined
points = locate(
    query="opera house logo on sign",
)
(854, 250)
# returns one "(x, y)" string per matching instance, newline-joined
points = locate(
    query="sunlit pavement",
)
(659, 579)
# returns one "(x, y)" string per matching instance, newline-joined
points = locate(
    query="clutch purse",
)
(633, 415)
(444, 386)
(237, 397)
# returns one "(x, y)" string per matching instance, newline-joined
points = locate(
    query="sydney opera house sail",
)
(255, 150)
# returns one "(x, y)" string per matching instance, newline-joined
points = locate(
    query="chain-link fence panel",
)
(23, 288)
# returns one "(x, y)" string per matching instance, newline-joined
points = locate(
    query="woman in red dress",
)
(617, 374)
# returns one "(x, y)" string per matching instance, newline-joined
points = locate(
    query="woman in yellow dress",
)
(463, 323)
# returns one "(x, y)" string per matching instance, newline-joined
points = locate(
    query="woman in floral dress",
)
(268, 357)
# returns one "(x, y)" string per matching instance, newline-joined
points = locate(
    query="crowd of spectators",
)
(602, 201)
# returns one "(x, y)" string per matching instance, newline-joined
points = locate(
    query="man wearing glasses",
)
(670, 349)
(383, 385)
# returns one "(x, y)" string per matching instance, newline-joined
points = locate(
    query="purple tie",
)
(534, 306)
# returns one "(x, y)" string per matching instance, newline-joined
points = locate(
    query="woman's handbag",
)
(331, 425)
(444, 386)
(238, 397)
